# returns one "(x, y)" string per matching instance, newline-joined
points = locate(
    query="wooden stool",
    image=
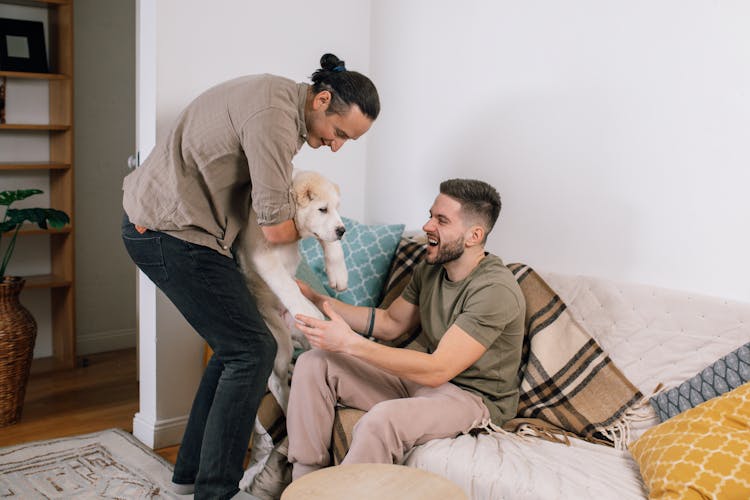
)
(372, 482)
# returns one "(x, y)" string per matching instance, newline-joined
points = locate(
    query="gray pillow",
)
(722, 376)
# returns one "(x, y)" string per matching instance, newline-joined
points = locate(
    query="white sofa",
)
(655, 336)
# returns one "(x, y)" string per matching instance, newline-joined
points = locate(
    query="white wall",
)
(616, 132)
(199, 47)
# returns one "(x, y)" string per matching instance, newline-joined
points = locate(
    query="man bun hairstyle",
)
(346, 87)
(479, 201)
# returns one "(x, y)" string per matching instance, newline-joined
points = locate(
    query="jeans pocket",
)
(147, 254)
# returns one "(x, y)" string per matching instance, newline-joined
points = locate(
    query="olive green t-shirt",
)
(488, 305)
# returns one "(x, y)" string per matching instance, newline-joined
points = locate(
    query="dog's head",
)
(317, 201)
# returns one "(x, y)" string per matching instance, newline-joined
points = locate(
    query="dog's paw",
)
(338, 277)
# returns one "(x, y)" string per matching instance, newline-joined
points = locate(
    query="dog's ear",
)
(303, 193)
(338, 190)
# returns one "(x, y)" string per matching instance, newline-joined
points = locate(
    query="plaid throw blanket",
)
(567, 380)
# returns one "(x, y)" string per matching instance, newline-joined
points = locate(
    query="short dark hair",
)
(477, 198)
(346, 87)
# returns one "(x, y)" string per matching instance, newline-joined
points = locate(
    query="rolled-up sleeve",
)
(269, 139)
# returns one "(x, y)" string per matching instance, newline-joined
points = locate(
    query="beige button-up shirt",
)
(230, 148)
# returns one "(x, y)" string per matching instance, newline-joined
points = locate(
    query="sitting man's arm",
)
(387, 324)
(456, 351)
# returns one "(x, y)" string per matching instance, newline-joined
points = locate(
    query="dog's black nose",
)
(340, 231)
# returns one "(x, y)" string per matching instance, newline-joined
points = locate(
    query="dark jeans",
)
(210, 292)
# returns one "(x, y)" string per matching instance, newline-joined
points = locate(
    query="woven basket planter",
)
(17, 337)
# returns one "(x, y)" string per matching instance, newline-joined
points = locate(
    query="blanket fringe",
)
(617, 434)
(620, 432)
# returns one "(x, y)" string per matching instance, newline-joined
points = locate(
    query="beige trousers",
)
(400, 414)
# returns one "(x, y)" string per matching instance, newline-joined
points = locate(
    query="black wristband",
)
(371, 324)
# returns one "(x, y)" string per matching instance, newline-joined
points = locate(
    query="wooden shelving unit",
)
(59, 164)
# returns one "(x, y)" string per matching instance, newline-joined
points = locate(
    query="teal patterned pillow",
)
(304, 273)
(724, 375)
(368, 251)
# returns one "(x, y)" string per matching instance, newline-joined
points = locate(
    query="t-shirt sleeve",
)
(269, 140)
(488, 311)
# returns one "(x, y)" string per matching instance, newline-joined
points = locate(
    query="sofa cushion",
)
(654, 335)
(506, 466)
(703, 452)
(306, 274)
(727, 373)
(368, 251)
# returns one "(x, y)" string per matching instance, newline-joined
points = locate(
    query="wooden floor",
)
(101, 395)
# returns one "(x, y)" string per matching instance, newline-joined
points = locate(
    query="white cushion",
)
(654, 335)
(500, 466)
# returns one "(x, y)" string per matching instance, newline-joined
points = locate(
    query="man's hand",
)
(334, 335)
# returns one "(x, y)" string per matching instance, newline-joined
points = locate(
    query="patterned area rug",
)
(107, 464)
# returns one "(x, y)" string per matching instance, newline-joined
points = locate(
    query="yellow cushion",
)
(703, 452)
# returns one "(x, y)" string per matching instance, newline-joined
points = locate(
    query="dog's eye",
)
(323, 210)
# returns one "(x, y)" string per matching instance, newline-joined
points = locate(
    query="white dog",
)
(269, 269)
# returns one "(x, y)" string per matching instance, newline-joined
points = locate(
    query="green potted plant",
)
(17, 325)
(11, 219)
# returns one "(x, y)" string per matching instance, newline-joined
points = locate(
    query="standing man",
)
(472, 311)
(230, 148)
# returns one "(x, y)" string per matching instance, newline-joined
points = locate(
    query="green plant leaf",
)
(8, 197)
(39, 216)
(13, 218)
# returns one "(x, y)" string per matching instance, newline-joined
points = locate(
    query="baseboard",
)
(105, 341)
(155, 435)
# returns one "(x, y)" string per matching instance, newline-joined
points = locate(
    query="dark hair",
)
(346, 87)
(478, 200)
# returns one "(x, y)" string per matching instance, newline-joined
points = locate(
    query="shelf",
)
(45, 281)
(59, 158)
(34, 165)
(36, 3)
(30, 127)
(33, 76)
(33, 229)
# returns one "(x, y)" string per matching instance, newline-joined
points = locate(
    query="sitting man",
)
(472, 311)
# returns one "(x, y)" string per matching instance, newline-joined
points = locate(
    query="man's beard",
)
(449, 252)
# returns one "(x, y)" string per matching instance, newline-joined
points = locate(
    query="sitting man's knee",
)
(378, 418)
(312, 360)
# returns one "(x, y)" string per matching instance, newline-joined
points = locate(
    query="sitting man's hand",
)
(334, 335)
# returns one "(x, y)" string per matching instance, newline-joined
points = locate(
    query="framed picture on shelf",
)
(22, 46)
